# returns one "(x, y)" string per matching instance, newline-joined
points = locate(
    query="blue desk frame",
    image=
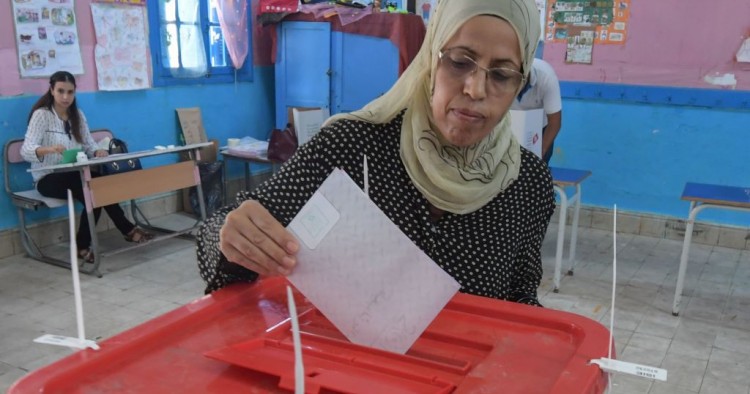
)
(561, 179)
(702, 196)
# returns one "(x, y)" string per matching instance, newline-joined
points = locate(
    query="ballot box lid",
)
(238, 340)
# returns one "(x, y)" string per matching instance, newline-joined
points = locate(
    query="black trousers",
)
(56, 185)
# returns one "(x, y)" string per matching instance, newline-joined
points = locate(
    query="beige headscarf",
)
(455, 179)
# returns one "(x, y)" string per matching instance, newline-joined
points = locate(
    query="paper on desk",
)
(363, 273)
(250, 146)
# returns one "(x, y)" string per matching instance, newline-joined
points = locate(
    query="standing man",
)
(542, 90)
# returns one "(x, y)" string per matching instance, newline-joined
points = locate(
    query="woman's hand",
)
(254, 239)
(101, 153)
(48, 150)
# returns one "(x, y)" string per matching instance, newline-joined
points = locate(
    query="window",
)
(187, 44)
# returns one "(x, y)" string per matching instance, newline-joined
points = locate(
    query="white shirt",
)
(543, 92)
(47, 129)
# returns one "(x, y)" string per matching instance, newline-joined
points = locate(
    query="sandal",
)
(138, 235)
(87, 255)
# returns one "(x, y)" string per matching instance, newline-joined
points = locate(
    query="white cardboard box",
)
(307, 122)
(527, 128)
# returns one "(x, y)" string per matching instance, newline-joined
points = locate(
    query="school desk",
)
(563, 178)
(702, 196)
(116, 188)
(246, 159)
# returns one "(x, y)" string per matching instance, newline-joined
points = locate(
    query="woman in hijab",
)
(442, 163)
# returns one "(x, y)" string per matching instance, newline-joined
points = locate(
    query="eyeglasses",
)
(67, 129)
(458, 64)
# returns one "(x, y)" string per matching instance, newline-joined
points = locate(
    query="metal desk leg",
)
(199, 189)
(684, 257)
(695, 208)
(560, 236)
(574, 235)
(89, 207)
(94, 246)
(31, 248)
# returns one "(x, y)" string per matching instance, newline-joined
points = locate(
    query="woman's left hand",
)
(101, 153)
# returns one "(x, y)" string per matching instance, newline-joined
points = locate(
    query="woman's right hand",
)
(254, 239)
(46, 150)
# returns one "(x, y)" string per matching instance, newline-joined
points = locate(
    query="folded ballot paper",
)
(365, 275)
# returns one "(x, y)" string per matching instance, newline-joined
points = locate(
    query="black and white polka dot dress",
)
(493, 252)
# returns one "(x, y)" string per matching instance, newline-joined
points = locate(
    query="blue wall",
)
(145, 118)
(641, 155)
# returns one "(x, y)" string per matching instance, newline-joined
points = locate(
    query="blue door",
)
(364, 68)
(303, 63)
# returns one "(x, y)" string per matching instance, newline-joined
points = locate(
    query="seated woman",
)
(443, 164)
(55, 125)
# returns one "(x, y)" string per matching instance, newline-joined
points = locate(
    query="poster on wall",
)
(541, 6)
(580, 44)
(609, 19)
(121, 52)
(425, 8)
(46, 37)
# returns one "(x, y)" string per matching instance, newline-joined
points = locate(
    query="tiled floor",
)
(706, 349)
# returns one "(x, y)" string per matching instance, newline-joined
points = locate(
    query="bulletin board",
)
(688, 45)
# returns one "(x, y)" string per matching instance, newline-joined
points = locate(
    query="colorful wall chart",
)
(121, 52)
(425, 8)
(609, 19)
(46, 37)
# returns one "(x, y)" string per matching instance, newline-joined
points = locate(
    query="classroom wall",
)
(642, 118)
(660, 52)
(641, 155)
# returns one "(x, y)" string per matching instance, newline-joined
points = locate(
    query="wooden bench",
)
(25, 197)
(702, 196)
(563, 178)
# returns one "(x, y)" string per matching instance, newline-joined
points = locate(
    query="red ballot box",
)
(238, 340)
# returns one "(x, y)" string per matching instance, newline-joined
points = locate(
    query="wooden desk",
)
(702, 196)
(561, 179)
(246, 159)
(116, 188)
